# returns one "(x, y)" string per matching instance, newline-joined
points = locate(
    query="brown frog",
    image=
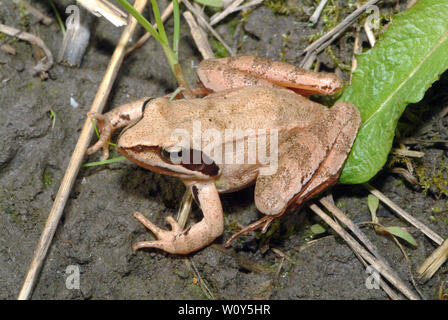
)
(256, 96)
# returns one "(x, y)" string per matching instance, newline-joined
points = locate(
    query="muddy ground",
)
(97, 230)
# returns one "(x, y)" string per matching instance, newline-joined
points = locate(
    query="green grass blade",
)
(58, 16)
(406, 60)
(160, 27)
(176, 33)
(141, 19)
(99, 163)
(211, 3)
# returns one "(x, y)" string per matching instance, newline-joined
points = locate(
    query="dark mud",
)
(97, 230)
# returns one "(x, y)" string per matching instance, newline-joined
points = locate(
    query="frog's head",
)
(148, 142)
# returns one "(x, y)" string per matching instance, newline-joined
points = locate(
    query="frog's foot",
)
(166, 239)
(196, 237)
(106, 133)
(264, 223)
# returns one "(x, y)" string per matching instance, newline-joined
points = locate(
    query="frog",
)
(246, 93)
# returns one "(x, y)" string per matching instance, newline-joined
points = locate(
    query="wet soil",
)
(97, 230)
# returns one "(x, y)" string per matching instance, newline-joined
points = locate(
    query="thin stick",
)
(221, 15)
(320, 44)
(207, 53)
(370, 34)
(185, 208)
(433, 262)
(76, 160)
(201, 19)
(423, 228)
(355, 229)
(35, 12)
(408, 153)
(361, 236)
(198, 37)
(106, 9)
(383, 284)
(239, 8)
(356, 50)
(315, 17)
(165, 15)
(411, 275)
(38, 53)
(378, 265)
(189, 262)
(33, 40)
(8, 49)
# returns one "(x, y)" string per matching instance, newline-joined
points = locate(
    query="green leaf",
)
(212, 3)
(406, 60)
(317, 229)
(401, 233)
(373, 203)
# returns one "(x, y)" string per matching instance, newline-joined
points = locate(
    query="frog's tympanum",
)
(247, 93)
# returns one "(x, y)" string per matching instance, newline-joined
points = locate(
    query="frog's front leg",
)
(201, 234)
(117, 118)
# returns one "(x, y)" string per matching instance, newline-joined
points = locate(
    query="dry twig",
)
(106, 9)
(433, 262)
(189, 262)
(77, 158)
(8, 49)
(199, 37)
(329, 205)
(221, 15)
(41, 66)
(316, 15)
(35, 12)
(202, 20)
(377, 264)
(317, 46)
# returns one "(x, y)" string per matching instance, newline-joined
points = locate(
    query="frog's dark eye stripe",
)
(206, 166)
(145, 104)
(176, 155)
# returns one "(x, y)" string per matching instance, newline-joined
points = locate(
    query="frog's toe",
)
(150, 244)
(158, 232)
(175, 227)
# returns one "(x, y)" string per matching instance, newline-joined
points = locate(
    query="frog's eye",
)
(173, 154)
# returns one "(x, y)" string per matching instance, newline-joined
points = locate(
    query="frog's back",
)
(253, 107)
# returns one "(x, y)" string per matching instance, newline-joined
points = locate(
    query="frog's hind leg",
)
(180, 241)
(309, 161)
(299, 157)
(330, 169)
(249, 71)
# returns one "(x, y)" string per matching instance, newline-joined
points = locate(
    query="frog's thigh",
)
(299, 157)
(331, 167)
(309, 160)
